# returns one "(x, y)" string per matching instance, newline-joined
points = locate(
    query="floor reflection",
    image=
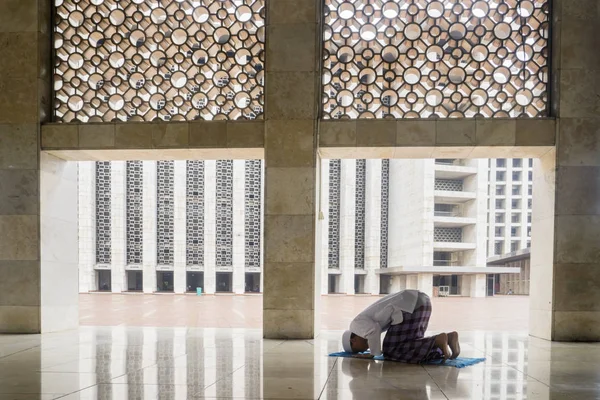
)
(179, 363)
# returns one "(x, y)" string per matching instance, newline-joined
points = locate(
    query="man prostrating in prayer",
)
(404, 317)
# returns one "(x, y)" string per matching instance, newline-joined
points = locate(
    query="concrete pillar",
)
(412, 281)
(565, 270)
(179, 227)
(59, 250)
(26, 81)
(210, 204)
(292, 93)
(425, 284)
(87, 225)
(238, 253)
(372, 225)
(149, 224)
(323, 226)
(118, 228)
(479, 285)
(347, 224)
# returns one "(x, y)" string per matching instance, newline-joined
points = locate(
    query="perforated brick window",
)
(144, 60)
(448, 58)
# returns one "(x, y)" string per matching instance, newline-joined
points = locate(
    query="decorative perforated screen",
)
(103, 213)
(195, 213)
(334, 213)
(454, 185)
(359, 226)
(447, 235)
(252, 212)
(165, 211)
(424, 58)
(385, 203)
(224, 213)
(135, 212)
(143, 60)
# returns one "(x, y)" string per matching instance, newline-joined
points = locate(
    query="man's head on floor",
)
(354, 343)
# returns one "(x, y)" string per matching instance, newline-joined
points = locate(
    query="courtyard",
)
(499, 313)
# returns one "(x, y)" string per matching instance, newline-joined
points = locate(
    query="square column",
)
(87, 225)
(347, 224)
(118, 227)
(372, 225)
(59, 250)
(292, 93)
(179, 226)
(323, 226)
(238, 253)
(565, 267)
(149, 224)
(25, 80)
(210, 227)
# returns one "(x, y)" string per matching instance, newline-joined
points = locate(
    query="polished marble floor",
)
(181, 363)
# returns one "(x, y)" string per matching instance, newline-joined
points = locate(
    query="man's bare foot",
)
(441, 341)
(454, 344)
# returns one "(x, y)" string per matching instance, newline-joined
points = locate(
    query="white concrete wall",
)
(210, 210)
(179, 226)
(59, 253)
(118, 221)
(238, 252)
(347, 224)
(149, 226)
(477, 209)
(411, 213)
(86, 207)
(372, 225)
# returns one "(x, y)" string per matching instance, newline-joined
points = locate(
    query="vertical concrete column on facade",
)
(149, 259)
(478, 285)
(210, 227)
(86, 211)
(118, 225)
(238, 253)
(425, 284)
(372, 225)
(179, 226)
(411, 198)
(25, 79)
(347, 224)
(293, 46)
(323, 226)
(477, 209)
(59, 250)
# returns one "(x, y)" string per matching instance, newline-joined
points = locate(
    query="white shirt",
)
(379, 316)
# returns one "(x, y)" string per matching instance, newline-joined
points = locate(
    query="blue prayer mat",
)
(459, 362)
